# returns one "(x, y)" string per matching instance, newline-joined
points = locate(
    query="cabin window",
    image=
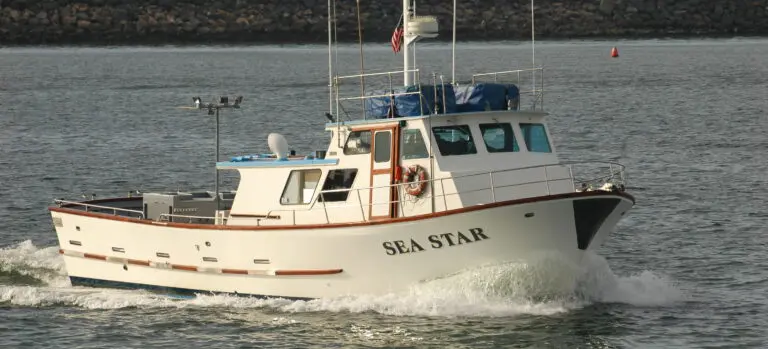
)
(358, 142)
(454, 140)
(413, 145)
(381, 147)
(300, 187)
(338, 179)
(535, 137)
(499, 138)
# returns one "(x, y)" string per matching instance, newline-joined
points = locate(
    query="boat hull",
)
(333, 260)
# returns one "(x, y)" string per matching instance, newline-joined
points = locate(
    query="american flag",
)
(397, 39)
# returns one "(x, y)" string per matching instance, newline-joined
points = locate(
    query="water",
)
(684, 269)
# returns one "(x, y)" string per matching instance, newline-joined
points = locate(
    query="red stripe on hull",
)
(94, 256)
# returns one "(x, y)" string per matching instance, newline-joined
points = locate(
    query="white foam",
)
(27, 259)
(545, 287)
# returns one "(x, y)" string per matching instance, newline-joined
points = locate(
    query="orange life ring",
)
(414, 180)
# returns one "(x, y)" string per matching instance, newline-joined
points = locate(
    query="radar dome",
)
(278, 145)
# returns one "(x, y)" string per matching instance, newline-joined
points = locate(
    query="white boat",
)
(427, 180)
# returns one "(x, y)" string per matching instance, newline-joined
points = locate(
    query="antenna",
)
(330, 60)
(453, 58)
(362, 58)
(213, 109)
(533, 54)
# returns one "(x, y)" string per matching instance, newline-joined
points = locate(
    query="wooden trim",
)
(392, 129)
(234, 271)
(261, 272)
(572, 195)
(94, 256)
(183, 267)
(138, 262)
(381, 171)
(374, 129)
(309, 272)
(393, 193)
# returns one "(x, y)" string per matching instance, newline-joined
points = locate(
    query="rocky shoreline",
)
(122, 22)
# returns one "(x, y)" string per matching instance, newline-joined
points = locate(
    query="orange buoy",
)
(614, 52)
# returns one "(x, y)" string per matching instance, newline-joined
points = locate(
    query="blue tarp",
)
(486, 96)
(413, 104)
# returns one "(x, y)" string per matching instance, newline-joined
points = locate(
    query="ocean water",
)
(685, 269)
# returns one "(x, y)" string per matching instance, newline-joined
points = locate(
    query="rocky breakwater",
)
(203, 21)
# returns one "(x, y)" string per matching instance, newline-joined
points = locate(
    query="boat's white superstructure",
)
(431, 180)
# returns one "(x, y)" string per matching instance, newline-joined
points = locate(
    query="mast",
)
(407, 12)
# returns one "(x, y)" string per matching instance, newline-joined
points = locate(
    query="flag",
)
(397, 39)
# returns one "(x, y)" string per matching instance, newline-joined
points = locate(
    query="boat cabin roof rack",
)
(381, 95)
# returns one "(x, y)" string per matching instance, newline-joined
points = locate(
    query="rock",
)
(83, 24)
(606, 6)
(243, 22)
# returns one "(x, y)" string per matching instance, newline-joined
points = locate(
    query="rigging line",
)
(362, 58)
(336, 56)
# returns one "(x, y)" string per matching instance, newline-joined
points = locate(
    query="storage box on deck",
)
(487, 96)
(415, 104)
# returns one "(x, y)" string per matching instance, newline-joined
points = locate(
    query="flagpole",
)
(406, 51)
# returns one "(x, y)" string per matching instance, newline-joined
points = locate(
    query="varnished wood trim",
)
(381, 171)
(138, 262)
(573, 195)
(183, 267)
(309, 272)
(145, 263)
(234, 271)
(374, 129)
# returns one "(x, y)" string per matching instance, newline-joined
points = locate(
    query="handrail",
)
(516, 71)
(60, 202)
(615, 176)
(379, 96)
(396, 72)
(166, 216)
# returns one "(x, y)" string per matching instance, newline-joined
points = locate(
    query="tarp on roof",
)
(416, 104)
(486, 96)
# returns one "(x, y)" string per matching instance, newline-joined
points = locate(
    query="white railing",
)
(612, 176)
(569, 177)
(86, 207)
(220, 218)
(360, 79)
(530, 83)
(522, 78)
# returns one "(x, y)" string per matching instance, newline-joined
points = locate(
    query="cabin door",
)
(384, 161)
